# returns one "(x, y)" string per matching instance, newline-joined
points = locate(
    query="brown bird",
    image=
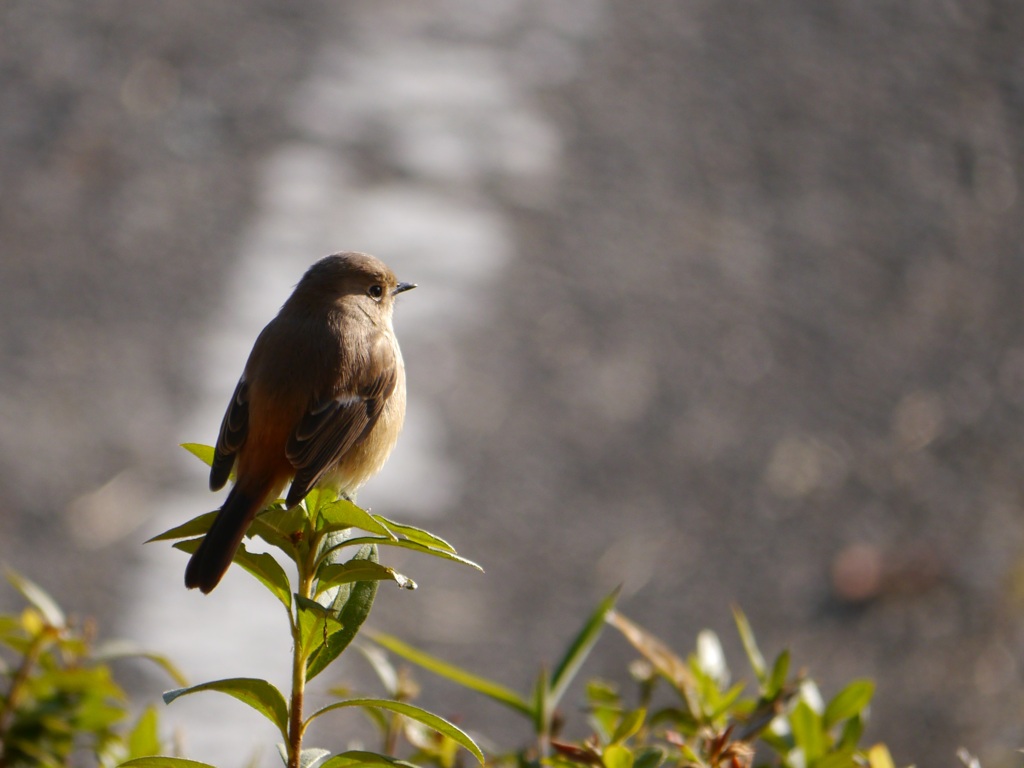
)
(320, 402)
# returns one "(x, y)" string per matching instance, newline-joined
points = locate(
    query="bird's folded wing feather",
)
(334, 424)
(233, 430)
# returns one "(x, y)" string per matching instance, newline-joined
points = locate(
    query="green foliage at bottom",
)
(59, 702)
(686, 712)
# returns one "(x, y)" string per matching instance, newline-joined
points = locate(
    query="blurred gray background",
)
(719, 301)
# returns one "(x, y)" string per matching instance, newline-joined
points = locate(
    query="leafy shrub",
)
(685, 713)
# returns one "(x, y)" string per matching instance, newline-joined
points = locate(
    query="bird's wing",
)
(334, 424)
(233, 430)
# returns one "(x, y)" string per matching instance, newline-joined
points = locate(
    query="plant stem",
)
(296, 728)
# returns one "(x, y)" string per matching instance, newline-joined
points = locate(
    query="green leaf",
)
(283, 528)
(39, 598)
(541, 709)
(808, 734)
(489, 688)
(197, 526)
(202, 452)
(335, 574)
(780, 669)
(144, 738)
(850, 701)
(164, 762)
(852, 731)
(342, 514)
(358, 758)
(631, 723)
(317, 498)
(268, 571)
(316, 624)
(417, 535)
(411, 545)
(649, 757)
(330, 552)
(351, 606)
(842, 759)
(258, 694)
(879, 757)
(757, 661)
(262, 565)
(617, 756)
(727, 701)
(692, 757)
(412, 712)
(579, 649)
(603, 692)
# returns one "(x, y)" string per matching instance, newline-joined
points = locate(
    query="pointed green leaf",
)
(757, 661)
(417, 535)
(316, 624)
(617, 756)
(780, 670)
(361, 759)
(850, 701)
(807, 731)
(285, 529)
(879, 757)
(412, 712)
(316, 498)
(844, 758)
(258, 694)
(468, 680)
(540, 707)
(336, 595)
(164, 762)
(197, 526)
(580, 648)
(38, 597)
(630, 723)
(260, 564)
(411, 545)
(649, 757)
(852, 731)
(268, 571)
(144, 738)
(335, 574)
(202, 452)
(727, 701)
(692, 757)
(342, 514)
(351, 605)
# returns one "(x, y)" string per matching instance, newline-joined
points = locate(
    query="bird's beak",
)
(401, 287)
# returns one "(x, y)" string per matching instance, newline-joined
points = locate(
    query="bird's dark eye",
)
(376, 291)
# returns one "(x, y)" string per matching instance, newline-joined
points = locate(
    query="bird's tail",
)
(210, 562)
